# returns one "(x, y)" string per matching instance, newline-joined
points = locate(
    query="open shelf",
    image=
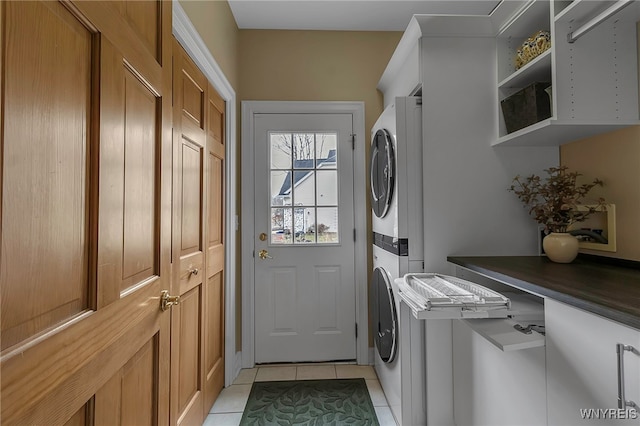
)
(539, 69)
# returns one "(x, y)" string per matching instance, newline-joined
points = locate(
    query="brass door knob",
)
(167, 301)
(264, 254)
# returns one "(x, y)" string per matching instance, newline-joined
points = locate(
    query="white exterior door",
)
(304, 245)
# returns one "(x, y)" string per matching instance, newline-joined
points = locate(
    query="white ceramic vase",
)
(560, 247)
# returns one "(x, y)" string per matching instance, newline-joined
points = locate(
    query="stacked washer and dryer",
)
(397, 222)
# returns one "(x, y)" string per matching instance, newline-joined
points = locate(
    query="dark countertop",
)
(598, 286)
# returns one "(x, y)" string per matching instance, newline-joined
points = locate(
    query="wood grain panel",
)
(130, 397)
(189, 386)
(36, 391)
(144, 19)
(214, 338)
(139, 388)
(108, 402)
(216, 123)
(193, 98)
(140, 182)
(191, 229)
(79, 418)
(215, 259)
(216, 119)
(216, 200)
(214, 289)
(47, 101)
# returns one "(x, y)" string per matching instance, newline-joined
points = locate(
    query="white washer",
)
(396, 198)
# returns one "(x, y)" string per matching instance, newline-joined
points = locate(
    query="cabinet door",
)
(582, 367)
(85, 252)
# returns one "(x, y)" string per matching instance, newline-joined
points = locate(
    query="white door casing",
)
(303, 301)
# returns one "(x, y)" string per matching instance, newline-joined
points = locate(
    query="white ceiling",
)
(352, 15)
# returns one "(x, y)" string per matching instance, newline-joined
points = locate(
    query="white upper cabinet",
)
(593, 76)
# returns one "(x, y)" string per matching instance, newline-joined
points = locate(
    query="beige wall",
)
(615, 158)
(315, 66)
(216, 25)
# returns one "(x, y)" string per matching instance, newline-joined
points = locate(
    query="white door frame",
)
(188, 36)
(249, 109)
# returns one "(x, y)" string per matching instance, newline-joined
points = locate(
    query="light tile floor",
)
(228, 408)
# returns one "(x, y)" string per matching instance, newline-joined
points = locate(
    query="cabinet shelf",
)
(595, 86)
(552, 132)
(538, 69)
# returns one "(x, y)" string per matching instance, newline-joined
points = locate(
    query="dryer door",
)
(385, 318)
(383, 170)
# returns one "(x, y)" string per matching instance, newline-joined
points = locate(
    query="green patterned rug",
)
(310, 403)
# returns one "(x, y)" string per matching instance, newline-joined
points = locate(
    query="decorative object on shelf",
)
(556, 204)
(532, 48)
(560, 247)
(527, 106)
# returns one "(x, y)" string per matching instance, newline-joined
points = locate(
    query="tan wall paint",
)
(615, 158)
(216, 25)
(316, 66)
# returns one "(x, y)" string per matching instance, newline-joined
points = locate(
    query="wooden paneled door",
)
(197, 330)
(86, 212)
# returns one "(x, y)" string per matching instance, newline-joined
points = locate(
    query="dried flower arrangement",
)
(553, 202)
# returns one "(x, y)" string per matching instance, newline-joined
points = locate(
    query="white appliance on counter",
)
(396, 188)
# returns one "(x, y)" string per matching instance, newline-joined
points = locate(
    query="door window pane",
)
(304, 175)
(281, 188)
(304, 224)
(326, 150)
(327, 188)
(280, 150)
(304, 188)
(327, 227)
(303, 150)
(281, 230)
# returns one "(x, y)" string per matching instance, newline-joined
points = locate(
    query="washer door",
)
(383, 171)
(385, 318)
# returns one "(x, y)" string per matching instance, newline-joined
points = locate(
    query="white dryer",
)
(396, 199)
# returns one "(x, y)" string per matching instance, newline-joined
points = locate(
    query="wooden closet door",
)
(187, 326)
(197, 331)
(85, 232)
(214, 289)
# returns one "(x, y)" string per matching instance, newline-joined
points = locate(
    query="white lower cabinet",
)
(582, 368)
